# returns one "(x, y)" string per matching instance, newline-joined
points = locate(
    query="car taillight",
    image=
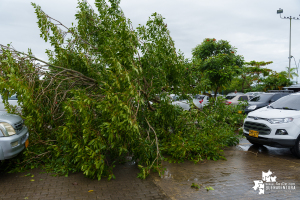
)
(227, 102)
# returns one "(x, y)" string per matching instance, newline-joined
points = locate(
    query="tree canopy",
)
(105, 95)
(218, 61)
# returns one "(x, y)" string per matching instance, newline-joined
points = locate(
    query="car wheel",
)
(296, 149)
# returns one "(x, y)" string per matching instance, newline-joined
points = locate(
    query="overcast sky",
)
(252, 26)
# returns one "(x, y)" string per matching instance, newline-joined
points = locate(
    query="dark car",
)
(263, 100)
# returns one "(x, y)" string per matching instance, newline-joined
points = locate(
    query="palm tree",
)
(292, 72)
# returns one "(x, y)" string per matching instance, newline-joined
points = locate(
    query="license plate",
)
(26, 143)
(240, 112)
(253, 133)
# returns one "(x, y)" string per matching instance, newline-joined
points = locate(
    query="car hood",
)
(274, 113)
(257, 103)
(9, 118)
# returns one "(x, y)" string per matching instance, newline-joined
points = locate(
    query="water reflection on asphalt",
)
(284, 153)
(232, 178)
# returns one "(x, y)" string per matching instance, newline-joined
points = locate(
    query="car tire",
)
(295, 150)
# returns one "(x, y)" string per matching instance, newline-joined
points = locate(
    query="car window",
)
(276, 97)
(243, 98)
(13, 97)
(199, 96)
(262, 98)
(288, 102)
(229, 97)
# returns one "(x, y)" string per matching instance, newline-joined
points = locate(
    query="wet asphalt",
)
(234, 178)
(223, 179)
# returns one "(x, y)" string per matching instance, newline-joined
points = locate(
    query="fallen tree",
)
(97, 102)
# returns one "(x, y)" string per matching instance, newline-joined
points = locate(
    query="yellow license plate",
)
(26, 143)
(253, 133)
(240, 112)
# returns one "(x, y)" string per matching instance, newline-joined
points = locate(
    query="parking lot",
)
(230, 179)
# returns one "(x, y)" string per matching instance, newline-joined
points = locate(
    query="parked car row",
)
(273, 119)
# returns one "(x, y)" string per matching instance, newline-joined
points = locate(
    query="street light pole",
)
(290, 41)
(290, 44)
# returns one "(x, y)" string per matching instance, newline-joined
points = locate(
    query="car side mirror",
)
(271, 101)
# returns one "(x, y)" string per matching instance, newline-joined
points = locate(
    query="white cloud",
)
(252, 26)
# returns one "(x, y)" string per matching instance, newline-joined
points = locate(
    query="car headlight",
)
(7, 129)
(251, 107)
(280, 120)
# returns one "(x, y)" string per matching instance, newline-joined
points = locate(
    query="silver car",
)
(198, 100)
(13, 135)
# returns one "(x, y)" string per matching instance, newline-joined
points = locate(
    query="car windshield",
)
(13, 97)
(291, 102)
(199, 96)
(262, 98)
(229, 97)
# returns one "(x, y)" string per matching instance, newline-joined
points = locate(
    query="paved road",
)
(231, 179)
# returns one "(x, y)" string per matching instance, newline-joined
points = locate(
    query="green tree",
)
(98, 103)
(276, 81)
(292, 72)
(253, 73)
(218, 61)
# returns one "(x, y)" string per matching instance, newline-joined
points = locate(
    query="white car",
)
(277, 125)
(198, 100)
(13, 100)
(238, 99)
(232, 95)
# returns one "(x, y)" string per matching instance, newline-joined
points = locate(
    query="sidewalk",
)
(76, 186)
